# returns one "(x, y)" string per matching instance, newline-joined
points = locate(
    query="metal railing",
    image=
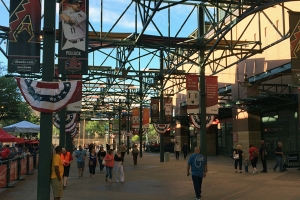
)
(291, 159)
(12, 169)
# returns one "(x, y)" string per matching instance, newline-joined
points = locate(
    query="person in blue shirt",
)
(80, 155)
(197, 164)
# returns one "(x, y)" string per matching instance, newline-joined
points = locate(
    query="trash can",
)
(167, 156)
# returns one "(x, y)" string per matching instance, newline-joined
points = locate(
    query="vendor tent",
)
(22, 127)
(5, 137)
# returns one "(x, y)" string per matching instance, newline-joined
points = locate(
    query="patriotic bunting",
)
(196, 120)
(47, 97)
(71, 128)
(161, 128)
(74, 133)
(70, 120)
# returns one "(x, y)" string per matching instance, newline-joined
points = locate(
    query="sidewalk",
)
(152, 179)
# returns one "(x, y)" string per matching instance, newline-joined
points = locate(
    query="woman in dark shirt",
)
(101, 154)
(92, 163)
(119, 167)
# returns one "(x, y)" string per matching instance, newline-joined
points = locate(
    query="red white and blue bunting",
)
(47, 97)
(74, 133)
(197, 122)
(161, 128)
(70, 120)
(71, 128)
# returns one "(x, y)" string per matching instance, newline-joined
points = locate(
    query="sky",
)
(112, 9)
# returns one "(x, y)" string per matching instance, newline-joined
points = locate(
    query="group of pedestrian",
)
(254, 155)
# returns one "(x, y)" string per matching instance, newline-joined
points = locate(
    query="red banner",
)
(135, 117)
(154, 110)
(23, 166)
(168, 107)
(3, 169)
(146, 116)
(212, 95)
(192, 89)
(13, 171)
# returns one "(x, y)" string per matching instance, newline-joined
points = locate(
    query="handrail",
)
(12, 169)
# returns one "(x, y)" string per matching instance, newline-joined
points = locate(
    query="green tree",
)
(96, 128)
(13, 108)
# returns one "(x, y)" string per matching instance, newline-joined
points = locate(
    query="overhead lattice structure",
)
(128, 63)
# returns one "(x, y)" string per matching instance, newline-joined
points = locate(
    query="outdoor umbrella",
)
(5, 137)
(22, 127)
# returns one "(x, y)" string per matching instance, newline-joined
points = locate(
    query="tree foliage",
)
(13, 107)
(96, 129)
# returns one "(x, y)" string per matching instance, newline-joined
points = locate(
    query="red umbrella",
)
(32, 142)
(5, 137)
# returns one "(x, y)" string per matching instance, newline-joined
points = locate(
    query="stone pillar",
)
(247, 127)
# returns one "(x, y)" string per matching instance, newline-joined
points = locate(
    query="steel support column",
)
(201, 26)
(161, 107)
(43, 185)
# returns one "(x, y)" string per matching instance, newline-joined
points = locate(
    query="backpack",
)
(255, 153)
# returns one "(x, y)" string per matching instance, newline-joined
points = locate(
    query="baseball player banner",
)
(135, 117)
(192, 89)
(154, 109)
(146, 116)
(212, 95)
(25, 27)
(294, 44)
(168, 106)
(73, 34)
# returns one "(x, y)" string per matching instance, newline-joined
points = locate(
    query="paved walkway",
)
(152, 179)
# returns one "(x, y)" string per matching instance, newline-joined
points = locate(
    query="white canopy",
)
(22, 127)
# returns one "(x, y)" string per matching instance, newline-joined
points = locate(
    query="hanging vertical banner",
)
(168, 106)
(124, 121)
(135, 117)
(295, 42)
(154, 109)
(192, 89)
(212, 95)
(146, 116)
(73, 34)
(24, 36)
(76, 103)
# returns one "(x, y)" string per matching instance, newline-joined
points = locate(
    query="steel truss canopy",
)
(126, 65)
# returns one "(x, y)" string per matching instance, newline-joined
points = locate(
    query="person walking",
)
(198, 166)
(92, 163)
(66, 158)
(177, 150)
(80, 155)
(101, 154)
(123, 149)
(57, 171)
(109, 159)
(253, 157)
(135, 153)
(185, 150)
(279, 157)
(263, 156)
(119, 167)
(239, 159)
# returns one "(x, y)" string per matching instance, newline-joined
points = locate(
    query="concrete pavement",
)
(152, 179)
